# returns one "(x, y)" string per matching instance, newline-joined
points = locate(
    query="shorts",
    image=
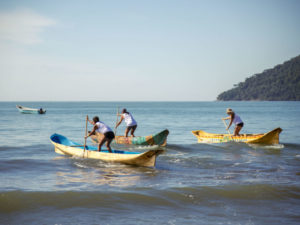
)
(240, 125)
(131, 127)
(109, 135)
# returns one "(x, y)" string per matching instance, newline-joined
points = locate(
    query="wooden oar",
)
(86, 121)
(116, 122)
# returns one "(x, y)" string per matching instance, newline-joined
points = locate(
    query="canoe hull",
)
(138, 159)
(269, 138)
(156, 139)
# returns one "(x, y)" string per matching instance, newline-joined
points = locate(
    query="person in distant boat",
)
(41, 111)
(102, 128)
(130, 122)
(234, 118)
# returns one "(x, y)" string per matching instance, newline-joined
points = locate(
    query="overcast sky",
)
(138, 50)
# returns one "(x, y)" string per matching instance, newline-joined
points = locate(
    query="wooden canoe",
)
(65, 146)
(155, 139)
(269, 138)
(27, 110)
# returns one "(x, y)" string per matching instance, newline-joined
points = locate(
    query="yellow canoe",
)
(65, 146)
(269, 138)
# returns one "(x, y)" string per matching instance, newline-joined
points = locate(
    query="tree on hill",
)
(282, 83)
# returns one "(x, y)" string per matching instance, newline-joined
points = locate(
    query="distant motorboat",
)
(27, 110)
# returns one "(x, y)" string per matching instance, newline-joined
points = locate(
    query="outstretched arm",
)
(226, 118)
(231, 120)
(92, 132)
(87, 118)
(119, 121)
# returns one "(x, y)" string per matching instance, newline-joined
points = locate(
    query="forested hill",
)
(282, 83)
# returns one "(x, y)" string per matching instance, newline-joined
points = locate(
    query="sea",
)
(191, 183)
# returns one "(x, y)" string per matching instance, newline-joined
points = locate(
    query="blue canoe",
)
(65, 146)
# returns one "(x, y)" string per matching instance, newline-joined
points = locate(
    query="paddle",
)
(86, 121)
(225, 124)
(116, 122)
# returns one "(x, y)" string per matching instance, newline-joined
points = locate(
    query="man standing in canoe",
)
(100, 127)
(130, 122)
(234, 118)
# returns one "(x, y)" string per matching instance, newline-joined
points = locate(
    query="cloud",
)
(23, 26)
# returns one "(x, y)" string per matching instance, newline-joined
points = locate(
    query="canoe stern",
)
(270, 138)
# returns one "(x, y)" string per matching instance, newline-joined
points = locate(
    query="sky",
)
(138, 50)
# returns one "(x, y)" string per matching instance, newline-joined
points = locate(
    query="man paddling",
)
(130, 122)
(100, 127)
(234, 118)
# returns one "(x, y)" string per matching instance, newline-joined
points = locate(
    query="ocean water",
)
(192, 183)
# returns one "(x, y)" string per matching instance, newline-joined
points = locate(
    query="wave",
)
(189, 147)
(6, 148)
(25, 147)
(267, 147)
(233, 146)
(13, 201)
(292, 145)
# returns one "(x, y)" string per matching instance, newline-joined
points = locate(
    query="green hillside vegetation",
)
(282, 83)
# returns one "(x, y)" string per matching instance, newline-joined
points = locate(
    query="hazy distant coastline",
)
(282, 83)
